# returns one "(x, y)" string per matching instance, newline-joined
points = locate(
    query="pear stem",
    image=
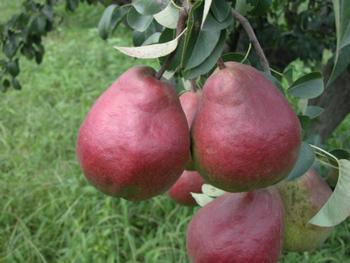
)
(253, 39)
(193, 85)
(221, 63)
(180, 27)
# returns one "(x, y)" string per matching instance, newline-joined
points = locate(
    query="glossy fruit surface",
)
(245, 135)
(134, 142)
(236, 228)
(189, 182)
(302, 199)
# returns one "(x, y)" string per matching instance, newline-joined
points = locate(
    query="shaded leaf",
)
(212, 24)
(305, 160)
(207, 4)
(150, 7)
(204, 46)
(308, 86)
(221, 10)
(105, 21)
(340, 153)
(138, 21)
(337, 208)
(342, 23)
(209, 62)
(313, 111)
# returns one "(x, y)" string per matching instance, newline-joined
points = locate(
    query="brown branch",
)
(252, 37)
(180, 27)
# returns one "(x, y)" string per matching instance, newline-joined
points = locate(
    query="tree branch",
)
(253, 39)
(180, 27)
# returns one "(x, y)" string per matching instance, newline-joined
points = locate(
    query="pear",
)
(302, 199)
(238, 227)
(189, 182)
(134, 141)
(245, 135)
(189, 102)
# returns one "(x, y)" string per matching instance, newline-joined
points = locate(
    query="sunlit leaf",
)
(202, 199)
(212, 191)
(151, 51)
(337, 208)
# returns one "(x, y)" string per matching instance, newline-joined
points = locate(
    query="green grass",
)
(48, 212)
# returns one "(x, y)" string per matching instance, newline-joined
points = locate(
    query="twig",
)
(220, 63)
(180, 27)
(252, 37)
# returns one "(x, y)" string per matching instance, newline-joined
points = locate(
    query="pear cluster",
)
(238, 134)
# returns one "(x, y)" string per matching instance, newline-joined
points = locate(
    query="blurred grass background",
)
(48, 212)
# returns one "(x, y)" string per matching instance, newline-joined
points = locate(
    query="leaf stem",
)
(180, 27)
(253, 39)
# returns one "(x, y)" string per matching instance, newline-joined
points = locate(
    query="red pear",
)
(189, 182)
(134, 141)
(236, 228)
(302, 199)
(245, 134)
(190, 102)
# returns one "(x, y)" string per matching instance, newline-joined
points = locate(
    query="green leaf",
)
(150, 7)
(209, 62)
(151, 51)
(243, 6)
(337, 208)
(207, 4)
(221, 10)
(168, 17)
(340, 153)
(212, 191)
(13, 67)
(105, 21)
(304, 121)
(15, 84)
(313, 111)
(138, 21)
(191, 35)
(152, 39)
(212, 24)
(342, 23)
(234, 56)
(204, 46)
(305, 160)
(308, 86)
(202, 199)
